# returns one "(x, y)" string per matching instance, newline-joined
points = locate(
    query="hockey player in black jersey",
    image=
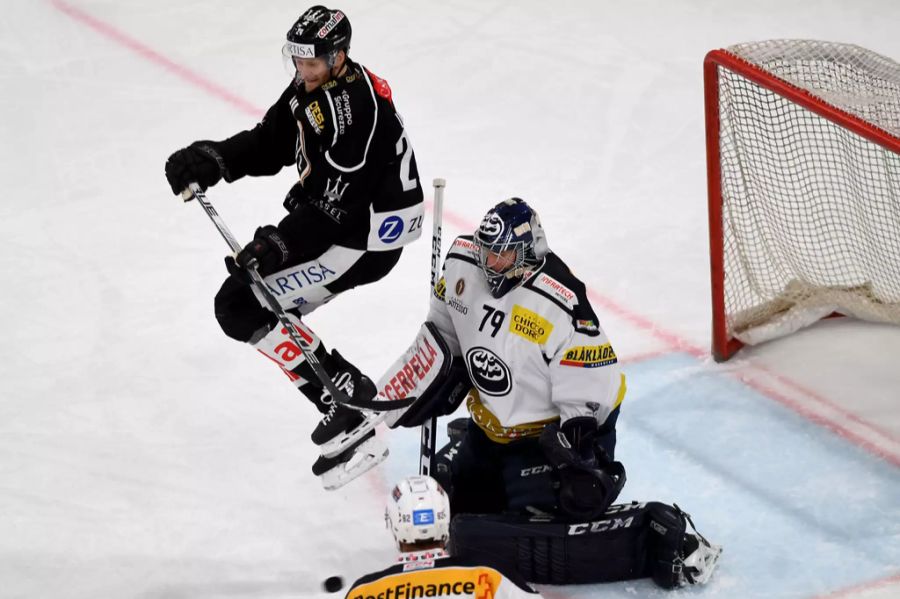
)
(531, 473)
(357, 201)
(418, 513)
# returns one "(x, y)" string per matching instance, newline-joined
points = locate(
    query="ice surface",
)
(143, 454)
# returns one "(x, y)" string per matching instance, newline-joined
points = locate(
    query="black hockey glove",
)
(268, 251)
(589, 480)
(198, 163)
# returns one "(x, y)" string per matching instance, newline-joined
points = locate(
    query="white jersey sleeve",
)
(584, 374)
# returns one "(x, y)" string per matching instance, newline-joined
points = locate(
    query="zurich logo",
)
(488, 372)
(391, 229)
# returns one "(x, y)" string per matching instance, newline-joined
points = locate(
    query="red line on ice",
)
(147, 53)
(862, 588)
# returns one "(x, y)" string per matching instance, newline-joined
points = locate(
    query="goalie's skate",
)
(680, 557)
(353, 462)
(700, 563)
(341, 439)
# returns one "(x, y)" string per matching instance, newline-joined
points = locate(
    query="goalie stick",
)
(429, 427)
(193, 191)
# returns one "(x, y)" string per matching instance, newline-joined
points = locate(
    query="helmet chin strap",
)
(335, 70)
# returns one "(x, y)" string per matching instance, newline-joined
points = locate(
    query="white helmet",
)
(418, 510)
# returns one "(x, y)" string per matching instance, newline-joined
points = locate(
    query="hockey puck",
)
(333, 584)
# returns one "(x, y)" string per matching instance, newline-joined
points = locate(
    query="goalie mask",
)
(510, 242)
(319, 33)
(418, 511)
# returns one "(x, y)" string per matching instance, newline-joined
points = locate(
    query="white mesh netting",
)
(811, 210)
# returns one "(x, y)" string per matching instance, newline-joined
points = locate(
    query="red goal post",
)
(803, 176)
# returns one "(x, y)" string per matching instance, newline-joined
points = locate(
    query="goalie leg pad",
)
(632, 540)
(550, 550)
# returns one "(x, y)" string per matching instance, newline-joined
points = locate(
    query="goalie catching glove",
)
(589, 480)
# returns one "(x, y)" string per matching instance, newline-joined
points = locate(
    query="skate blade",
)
(364, 458)
(340, 443)
(710, 559)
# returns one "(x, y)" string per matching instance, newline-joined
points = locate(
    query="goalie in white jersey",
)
(532, 473)
(547, 384)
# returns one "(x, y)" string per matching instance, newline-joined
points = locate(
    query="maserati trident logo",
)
(335, 192)
(310, 17)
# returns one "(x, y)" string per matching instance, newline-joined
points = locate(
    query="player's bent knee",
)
(239, 313)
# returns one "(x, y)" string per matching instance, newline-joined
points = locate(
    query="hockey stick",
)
(194, 191)
(429, 427)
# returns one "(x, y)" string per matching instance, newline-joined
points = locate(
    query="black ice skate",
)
(339, 420)
(682, 558)
(700, 560)
(357, 459)
(342, 426)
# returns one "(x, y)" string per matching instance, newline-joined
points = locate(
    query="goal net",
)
(803, 150)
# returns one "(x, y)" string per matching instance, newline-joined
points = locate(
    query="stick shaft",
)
(429, 427)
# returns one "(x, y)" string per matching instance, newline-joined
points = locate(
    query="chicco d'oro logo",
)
(491, 227)
(488, 371)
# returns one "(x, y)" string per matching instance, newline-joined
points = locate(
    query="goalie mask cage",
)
(803, 158)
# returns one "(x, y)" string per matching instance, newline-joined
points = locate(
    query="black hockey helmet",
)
(511, 225)
(319, 33)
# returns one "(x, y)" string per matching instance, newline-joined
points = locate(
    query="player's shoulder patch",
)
(556, 282)
(440, 289)
(381, 86)
(589, 356)
(463, 248)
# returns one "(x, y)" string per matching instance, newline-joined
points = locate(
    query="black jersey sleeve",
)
(266, 148)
